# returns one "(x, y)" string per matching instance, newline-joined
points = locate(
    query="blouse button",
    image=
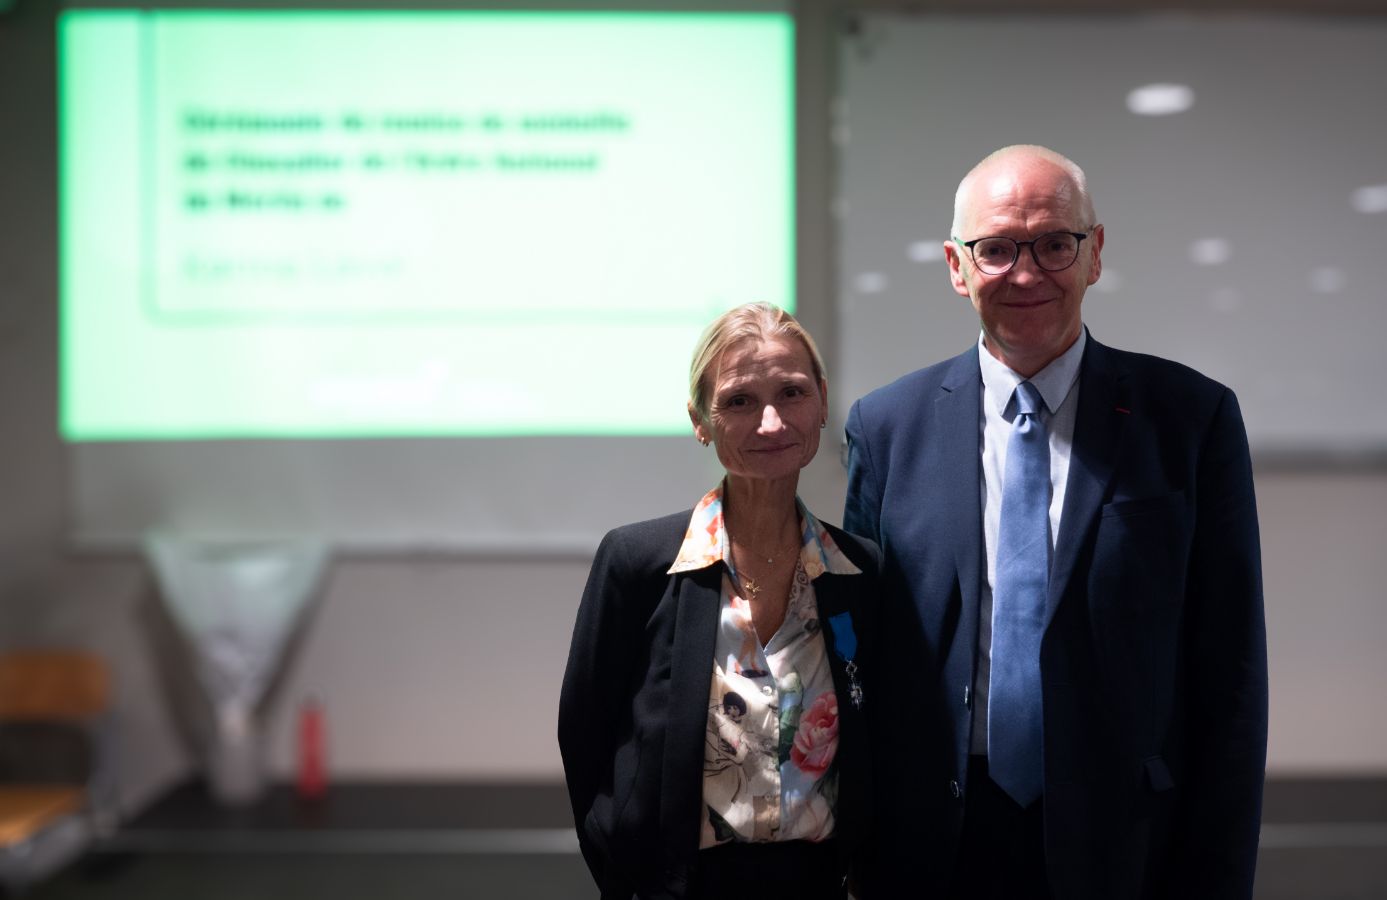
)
(767, 689)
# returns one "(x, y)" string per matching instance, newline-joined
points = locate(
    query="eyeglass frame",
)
(1079, 237)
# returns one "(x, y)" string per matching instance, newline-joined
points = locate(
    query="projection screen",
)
(407, 278)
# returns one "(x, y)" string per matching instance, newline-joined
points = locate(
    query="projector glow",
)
(292, 223)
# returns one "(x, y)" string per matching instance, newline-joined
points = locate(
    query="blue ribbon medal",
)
(845, 645)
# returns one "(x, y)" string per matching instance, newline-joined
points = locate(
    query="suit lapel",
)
(1097, 426)
(691, 670)
(832, 594)
(960, 471)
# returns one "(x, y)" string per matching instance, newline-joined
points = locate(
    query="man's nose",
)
(1025, 271)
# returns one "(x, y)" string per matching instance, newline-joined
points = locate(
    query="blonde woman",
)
(712, 717)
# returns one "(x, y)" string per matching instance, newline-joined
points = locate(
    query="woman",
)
(711, 720)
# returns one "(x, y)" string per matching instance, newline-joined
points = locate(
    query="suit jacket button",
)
(955, 789)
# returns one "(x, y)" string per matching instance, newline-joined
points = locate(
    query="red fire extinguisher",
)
(312, 774)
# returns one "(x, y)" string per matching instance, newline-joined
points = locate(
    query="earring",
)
(823, 424)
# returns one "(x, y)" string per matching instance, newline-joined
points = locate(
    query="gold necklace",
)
(745, 578)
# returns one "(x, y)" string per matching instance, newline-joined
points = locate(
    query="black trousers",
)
(784, 870)
(1002, 852)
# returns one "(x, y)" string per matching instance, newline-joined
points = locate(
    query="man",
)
(1074, 622)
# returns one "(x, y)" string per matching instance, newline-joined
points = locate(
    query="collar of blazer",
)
(1103, 412)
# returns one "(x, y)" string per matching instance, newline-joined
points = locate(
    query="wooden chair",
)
(55, 773)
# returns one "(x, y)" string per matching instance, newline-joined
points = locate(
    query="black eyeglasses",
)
(1053, 252)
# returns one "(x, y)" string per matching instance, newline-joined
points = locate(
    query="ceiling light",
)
(1160, 99)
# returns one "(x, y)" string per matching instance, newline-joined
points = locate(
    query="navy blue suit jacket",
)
(634, 706)
(1153, 661)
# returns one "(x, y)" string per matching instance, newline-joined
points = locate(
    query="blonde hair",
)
(750, 321)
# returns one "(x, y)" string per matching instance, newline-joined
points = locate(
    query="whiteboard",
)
(1245, 234)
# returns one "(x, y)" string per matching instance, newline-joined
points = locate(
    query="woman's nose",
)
(770, 419)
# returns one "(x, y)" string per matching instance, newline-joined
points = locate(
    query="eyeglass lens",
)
(1052, 252)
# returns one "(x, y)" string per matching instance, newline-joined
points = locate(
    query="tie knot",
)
(1028, 400)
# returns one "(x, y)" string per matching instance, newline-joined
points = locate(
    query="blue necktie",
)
(1014, 725)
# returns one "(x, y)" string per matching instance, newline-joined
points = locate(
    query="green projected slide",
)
(296, 223)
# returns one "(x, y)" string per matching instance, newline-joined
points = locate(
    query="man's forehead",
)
(1029, 180)
(1009, 189)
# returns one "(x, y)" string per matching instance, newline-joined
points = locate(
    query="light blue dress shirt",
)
(1058, 384)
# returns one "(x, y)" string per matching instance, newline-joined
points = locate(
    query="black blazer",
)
(634, 706)
(1153, 662)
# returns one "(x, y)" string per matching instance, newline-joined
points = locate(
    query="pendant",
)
(854, 686)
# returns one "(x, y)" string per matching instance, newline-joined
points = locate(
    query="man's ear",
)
(1097, 268)
(954, 254)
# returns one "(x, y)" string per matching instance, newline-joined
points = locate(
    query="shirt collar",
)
(1054, 382)
(705, 542)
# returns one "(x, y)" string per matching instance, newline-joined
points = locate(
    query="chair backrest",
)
(56, 778)
(52, 685)
(52, 705)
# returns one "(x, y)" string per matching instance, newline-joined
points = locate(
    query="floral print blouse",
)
(772, 732)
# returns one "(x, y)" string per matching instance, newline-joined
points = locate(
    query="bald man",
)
(1074, 628)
